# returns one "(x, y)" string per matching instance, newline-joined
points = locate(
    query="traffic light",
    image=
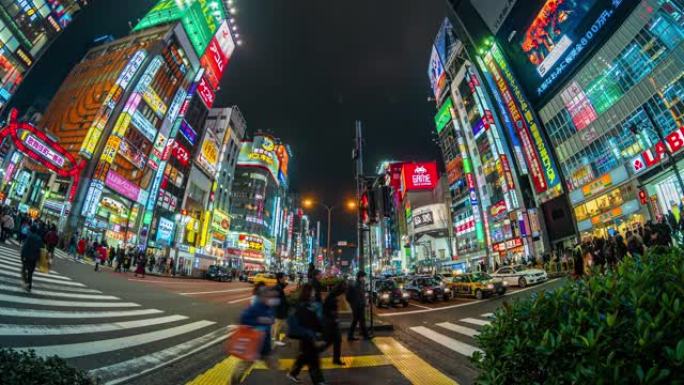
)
(363, 208)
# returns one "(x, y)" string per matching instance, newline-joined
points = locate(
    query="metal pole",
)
(330, 255)
(358, 157)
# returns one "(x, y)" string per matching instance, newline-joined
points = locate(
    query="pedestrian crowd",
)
(313, 322)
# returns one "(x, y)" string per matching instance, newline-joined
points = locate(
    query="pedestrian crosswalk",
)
(114, 339)
(458, 336)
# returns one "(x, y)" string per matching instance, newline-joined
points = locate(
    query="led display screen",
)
(547, 42)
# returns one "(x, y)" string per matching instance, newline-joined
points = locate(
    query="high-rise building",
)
(256, 203)
(595, 102)
(26, 30)
(490, 216)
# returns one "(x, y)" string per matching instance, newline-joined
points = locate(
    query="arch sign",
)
(41, 148)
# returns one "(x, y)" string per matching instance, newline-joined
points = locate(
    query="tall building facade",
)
(257, 205)
(127, 158)
(491, 216)
(594, 100)
(26, 29)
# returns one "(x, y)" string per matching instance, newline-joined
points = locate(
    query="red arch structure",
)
(44, 150)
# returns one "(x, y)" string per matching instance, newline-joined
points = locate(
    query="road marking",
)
(17, 282)
(17, 266)
(458, 329)
(241, 299)
(395, 314)
(152, 281)
(51, 302)
(139, 366)
(32, 313)
(59, 330)
(414, 368)
(103, 346)
(41, 279)
(420, 306)
(455, 345)
(216, 291)
(475, 321)
(17, 263)
(487, 315)
(58, 294)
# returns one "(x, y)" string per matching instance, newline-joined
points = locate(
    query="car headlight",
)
(490, 286)
(447, 290)
(385, 296)
(504, 283)
(428, 292)
(405, 295)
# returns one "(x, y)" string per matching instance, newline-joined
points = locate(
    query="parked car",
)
(218, 273)
(269, 279)
(386, 292)
(426, 289)
(478, 285)
(520, 275)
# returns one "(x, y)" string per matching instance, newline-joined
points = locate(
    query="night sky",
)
(307, 71)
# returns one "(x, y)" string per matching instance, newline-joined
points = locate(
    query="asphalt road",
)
(162, 330)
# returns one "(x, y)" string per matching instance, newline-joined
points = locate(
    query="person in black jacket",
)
(280, 310)
(356, 296)
(310, 327)
(331, 324)
(317, 286)
(30, 254)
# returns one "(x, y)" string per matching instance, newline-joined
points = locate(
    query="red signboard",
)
(180, 152)
(206, 93)
(498, 209)
(507, 171)
(395, 175)
(419, 176)
(651, 157)
(214, 62)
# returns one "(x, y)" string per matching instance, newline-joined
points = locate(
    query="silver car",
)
(520, 275)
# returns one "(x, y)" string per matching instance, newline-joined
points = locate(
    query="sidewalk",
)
(384, 360)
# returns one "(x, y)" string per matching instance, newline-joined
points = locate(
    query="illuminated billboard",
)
(260, 153)
(419, 176)
(443, 116)
(546, 43)
(200, 19)
(437, 74)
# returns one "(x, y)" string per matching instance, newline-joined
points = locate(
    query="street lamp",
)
(310, 203)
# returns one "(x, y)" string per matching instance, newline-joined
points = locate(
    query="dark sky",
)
(307, 71)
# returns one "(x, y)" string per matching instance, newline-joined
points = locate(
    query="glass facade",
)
(609, 118)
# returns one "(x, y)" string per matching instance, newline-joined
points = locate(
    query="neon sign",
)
(41, 148)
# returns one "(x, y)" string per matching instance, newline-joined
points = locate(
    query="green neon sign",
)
(443, 117)
(200, 19)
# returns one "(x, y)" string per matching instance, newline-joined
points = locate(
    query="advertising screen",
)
(419, 176)
(547, 42)
(436, 74)
(443, 116)
(260, 153)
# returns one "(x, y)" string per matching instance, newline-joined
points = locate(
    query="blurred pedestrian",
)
(356, 296)
(30, 254)
(140, 265)
(281, 311)
(81, 248)
(331, 324)
(260, 316)
(308, 329)
(7, 226)
(51, 239)
(317, 286)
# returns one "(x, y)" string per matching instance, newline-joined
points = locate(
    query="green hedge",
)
(25, 368)
(625, 327)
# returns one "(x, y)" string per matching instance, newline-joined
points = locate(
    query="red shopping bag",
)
(245, 343)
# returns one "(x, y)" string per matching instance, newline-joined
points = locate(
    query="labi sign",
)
(652, 156)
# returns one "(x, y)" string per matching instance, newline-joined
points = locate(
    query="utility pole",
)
(357, 156)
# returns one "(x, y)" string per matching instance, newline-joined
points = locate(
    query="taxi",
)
(268, 279)
(478, 285)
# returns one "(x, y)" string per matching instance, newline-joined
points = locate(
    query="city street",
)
(160, 330)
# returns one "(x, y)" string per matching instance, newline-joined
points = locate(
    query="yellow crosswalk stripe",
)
(414, 368)
(222, 371)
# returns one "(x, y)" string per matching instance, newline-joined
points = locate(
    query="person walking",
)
(100, 255)
(7, 226)
(317, 286)
(51, 240)
(81, 248)
(356, 296)
(259, 315)
(71, 246)
(30, 254)
(308, 328)
(140, 265)
(281, 310)
(331, 324)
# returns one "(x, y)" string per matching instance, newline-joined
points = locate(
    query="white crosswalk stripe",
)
(63, 317)
(456, 335)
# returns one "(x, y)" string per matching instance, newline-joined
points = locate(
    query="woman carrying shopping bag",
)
(305, 325)
(251, 342)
